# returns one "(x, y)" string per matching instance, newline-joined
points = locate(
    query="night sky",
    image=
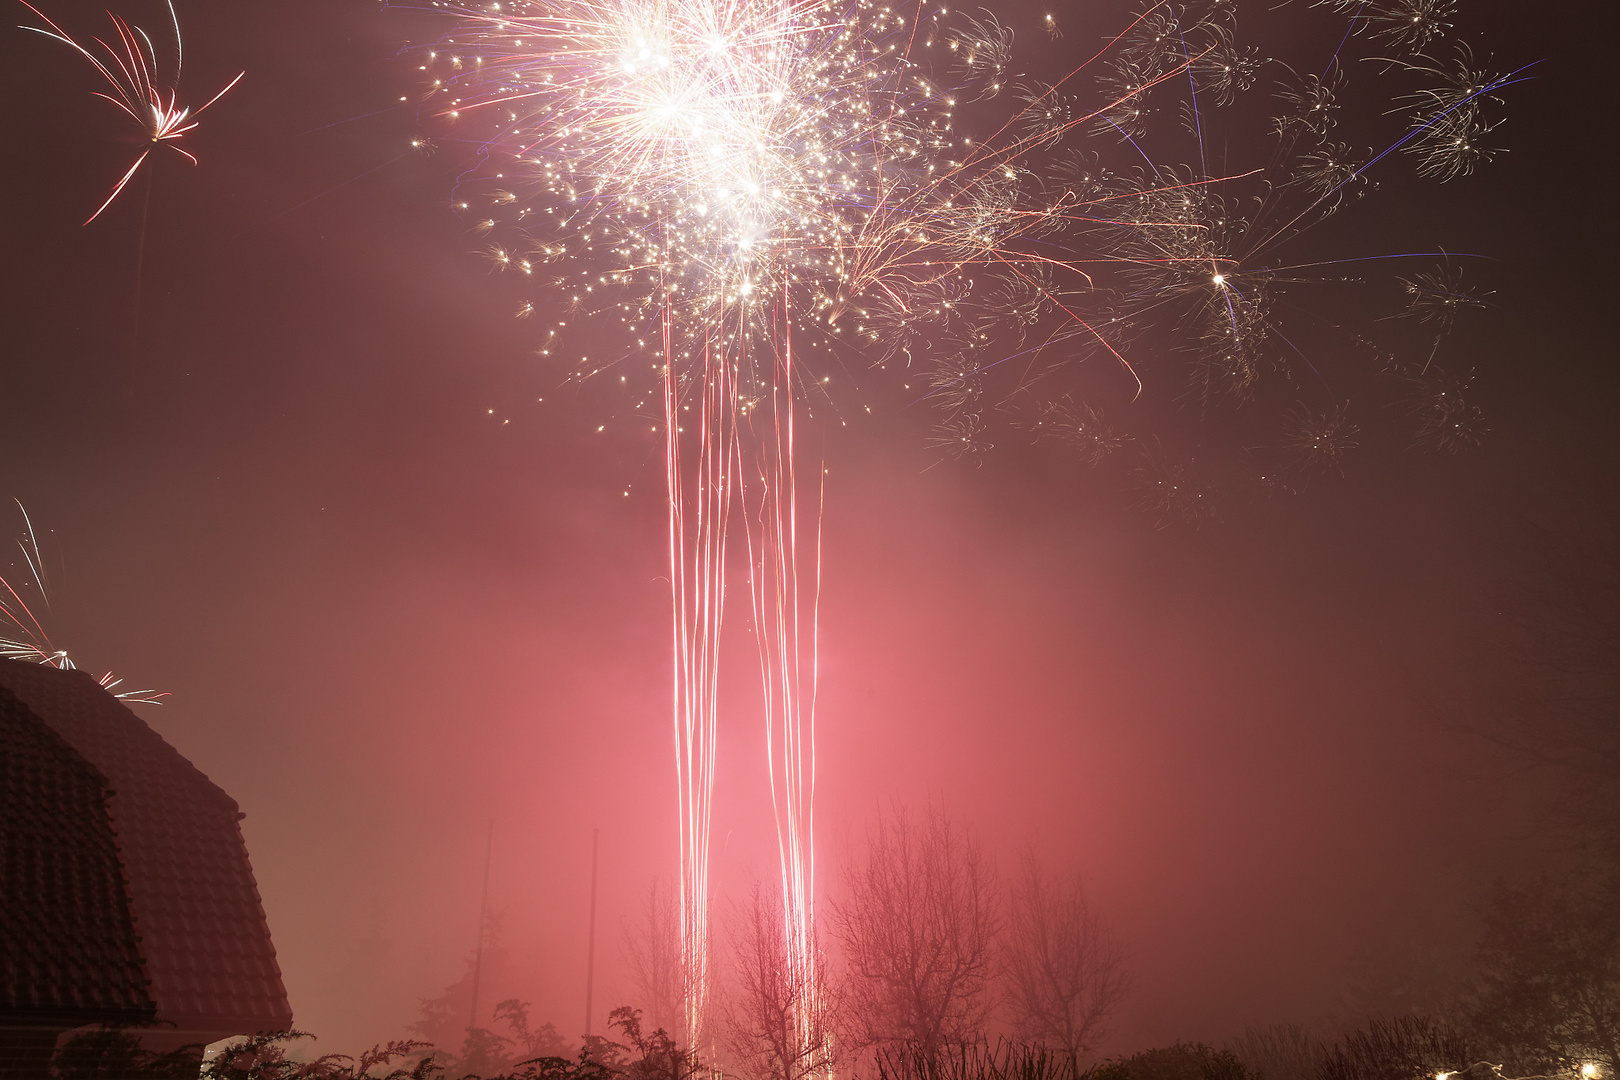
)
(395, 596)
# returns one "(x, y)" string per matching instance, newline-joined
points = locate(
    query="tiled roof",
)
(68, 953)
(194, 902)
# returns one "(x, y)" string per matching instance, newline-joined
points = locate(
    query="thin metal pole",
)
(590, 938)
(483, 907)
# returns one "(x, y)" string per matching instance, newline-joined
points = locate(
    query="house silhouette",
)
(126, 895)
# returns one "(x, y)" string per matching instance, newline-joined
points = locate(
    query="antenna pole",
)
(590, 939)
(483, 908)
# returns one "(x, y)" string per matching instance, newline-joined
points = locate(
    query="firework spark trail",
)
(26, 637)
(786, 629)
(138, 90)
(699, 514)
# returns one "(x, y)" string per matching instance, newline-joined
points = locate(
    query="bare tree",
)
(1546, 994)
(1545, 686)
(918, 930)
(653, 949)
(1563, 608)
(777, 1018)
(452, 1018)
(1065, 968)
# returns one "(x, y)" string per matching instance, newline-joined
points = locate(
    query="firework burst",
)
(723, 177)
(765, 193)
(138, 87)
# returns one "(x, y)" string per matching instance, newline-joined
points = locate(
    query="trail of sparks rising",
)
(138, 89)
(699, 513)
(786, 631)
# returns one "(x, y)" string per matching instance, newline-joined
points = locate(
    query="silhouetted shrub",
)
(1406, 1048)
(1280, 1052)
(264, 1057)
(1182, 1061)
(112, 1053)
(642, 1056)
(1024, 1061)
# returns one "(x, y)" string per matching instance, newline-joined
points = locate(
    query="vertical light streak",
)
(786, 629)
(699, 515)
